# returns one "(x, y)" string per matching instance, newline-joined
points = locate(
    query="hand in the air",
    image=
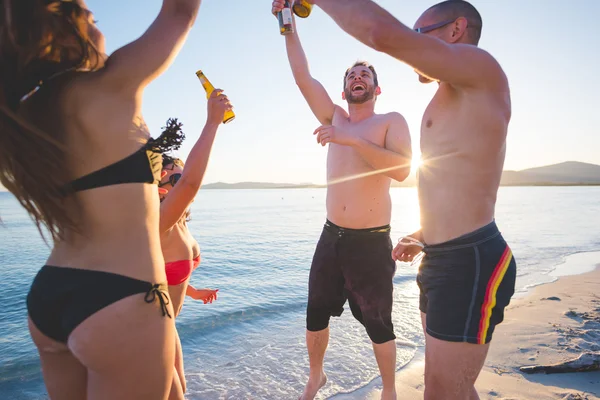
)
(277, 6)
(333, 134)
(217, 105)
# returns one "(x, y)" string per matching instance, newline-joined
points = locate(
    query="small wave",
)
(245, 315)
(252, 313)
(363, 390)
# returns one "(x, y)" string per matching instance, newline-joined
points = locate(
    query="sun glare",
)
(416, 163)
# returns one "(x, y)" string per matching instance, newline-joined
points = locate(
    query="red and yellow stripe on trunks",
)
(490, 295)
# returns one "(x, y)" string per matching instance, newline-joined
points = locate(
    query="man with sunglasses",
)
(467, 273)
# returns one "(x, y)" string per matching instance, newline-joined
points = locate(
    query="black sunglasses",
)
(173, 179)
(433, 27)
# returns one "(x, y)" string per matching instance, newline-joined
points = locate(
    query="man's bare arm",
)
(181, 196)
(457, 64)
(394, 160)
(315, 94)
(313, 91)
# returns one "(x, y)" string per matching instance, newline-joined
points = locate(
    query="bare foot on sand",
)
(313, 386)
(391, 395)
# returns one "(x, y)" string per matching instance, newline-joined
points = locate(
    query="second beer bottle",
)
(286, 24)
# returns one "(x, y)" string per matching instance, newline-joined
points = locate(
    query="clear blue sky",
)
(548, 48)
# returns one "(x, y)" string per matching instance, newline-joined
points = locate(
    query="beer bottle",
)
(302, 8)
(286, 25)
(209, 88)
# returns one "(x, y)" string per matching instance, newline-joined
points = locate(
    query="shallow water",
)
(257, 246)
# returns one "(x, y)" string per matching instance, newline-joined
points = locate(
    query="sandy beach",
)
(552, 324)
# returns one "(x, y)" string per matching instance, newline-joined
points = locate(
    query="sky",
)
(549, 50)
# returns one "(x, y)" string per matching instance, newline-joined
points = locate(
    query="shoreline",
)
(552, 322)
(233, 186)
(583, 261)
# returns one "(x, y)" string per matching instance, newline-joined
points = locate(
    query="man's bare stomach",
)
(359, 206)
(451, 210)
(463, 144)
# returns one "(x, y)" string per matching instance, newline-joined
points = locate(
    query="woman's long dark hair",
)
(33, 34)
(171, 139)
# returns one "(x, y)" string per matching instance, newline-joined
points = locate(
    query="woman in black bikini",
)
(75, 152)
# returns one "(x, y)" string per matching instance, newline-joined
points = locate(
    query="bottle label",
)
(286, 14)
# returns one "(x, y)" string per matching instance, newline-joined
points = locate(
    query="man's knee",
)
(440, 387)
(377, 320)
(379, 330)
(317, 318)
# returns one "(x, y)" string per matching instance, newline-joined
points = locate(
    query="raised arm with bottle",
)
(313, 91)
(174, 206)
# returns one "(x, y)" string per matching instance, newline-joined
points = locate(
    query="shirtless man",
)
(467, 274)
(352, 260)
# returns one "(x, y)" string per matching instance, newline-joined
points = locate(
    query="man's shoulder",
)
(495, 77)
(393, 117)
(339, 110)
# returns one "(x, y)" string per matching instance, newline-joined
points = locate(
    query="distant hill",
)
(566, 173)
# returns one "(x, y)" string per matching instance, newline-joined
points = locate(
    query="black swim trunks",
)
(466, 283)
(354, 265)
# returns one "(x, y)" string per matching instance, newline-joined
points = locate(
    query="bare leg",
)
(65, 377)
(178, 387)
(177, 295)
(316, 343)
(128, 350)
(176, 390)
(179, 363)
(451, 368)
(385, 354)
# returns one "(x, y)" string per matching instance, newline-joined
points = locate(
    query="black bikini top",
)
(143, 166)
